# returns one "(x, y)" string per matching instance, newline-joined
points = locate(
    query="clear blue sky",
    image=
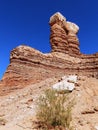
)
(26, 22)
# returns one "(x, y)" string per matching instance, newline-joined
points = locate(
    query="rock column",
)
(58, 36)
(63, 37)
(72, 38)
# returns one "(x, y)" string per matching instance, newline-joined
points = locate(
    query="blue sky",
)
(26, 22)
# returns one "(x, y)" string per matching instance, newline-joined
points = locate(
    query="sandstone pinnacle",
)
(63, 37)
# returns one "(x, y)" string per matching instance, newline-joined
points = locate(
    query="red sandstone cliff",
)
(29, 66)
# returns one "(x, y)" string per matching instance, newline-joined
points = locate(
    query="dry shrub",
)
(54, 110)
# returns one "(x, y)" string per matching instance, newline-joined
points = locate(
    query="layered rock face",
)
(63, 36)
(29, 66)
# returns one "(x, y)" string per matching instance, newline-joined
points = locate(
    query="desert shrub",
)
(54, 110)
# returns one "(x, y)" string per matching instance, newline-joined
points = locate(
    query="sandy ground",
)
(18, 109)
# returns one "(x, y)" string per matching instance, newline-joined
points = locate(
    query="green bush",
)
(54, 110)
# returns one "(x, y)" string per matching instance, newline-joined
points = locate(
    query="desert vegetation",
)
(55, 110)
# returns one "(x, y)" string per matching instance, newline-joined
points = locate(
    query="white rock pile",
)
(66, 83)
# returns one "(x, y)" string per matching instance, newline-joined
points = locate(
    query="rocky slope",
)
(18, 109)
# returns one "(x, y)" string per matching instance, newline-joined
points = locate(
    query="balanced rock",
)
(71, 27)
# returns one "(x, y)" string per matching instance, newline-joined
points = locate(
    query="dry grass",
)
(54, 111)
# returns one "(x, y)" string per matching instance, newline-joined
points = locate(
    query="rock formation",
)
(63, 36)
(65, 66)
(29, 66)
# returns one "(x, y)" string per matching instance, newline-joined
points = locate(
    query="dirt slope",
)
(18, 108)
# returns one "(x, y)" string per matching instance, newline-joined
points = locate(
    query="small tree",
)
(54, 110)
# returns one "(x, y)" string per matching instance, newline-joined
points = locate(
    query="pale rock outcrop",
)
(67, 83)
(72, 27)
(56, 18)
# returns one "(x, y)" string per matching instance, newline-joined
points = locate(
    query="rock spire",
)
(63, 37)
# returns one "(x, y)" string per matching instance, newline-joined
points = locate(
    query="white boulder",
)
(67, 83)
